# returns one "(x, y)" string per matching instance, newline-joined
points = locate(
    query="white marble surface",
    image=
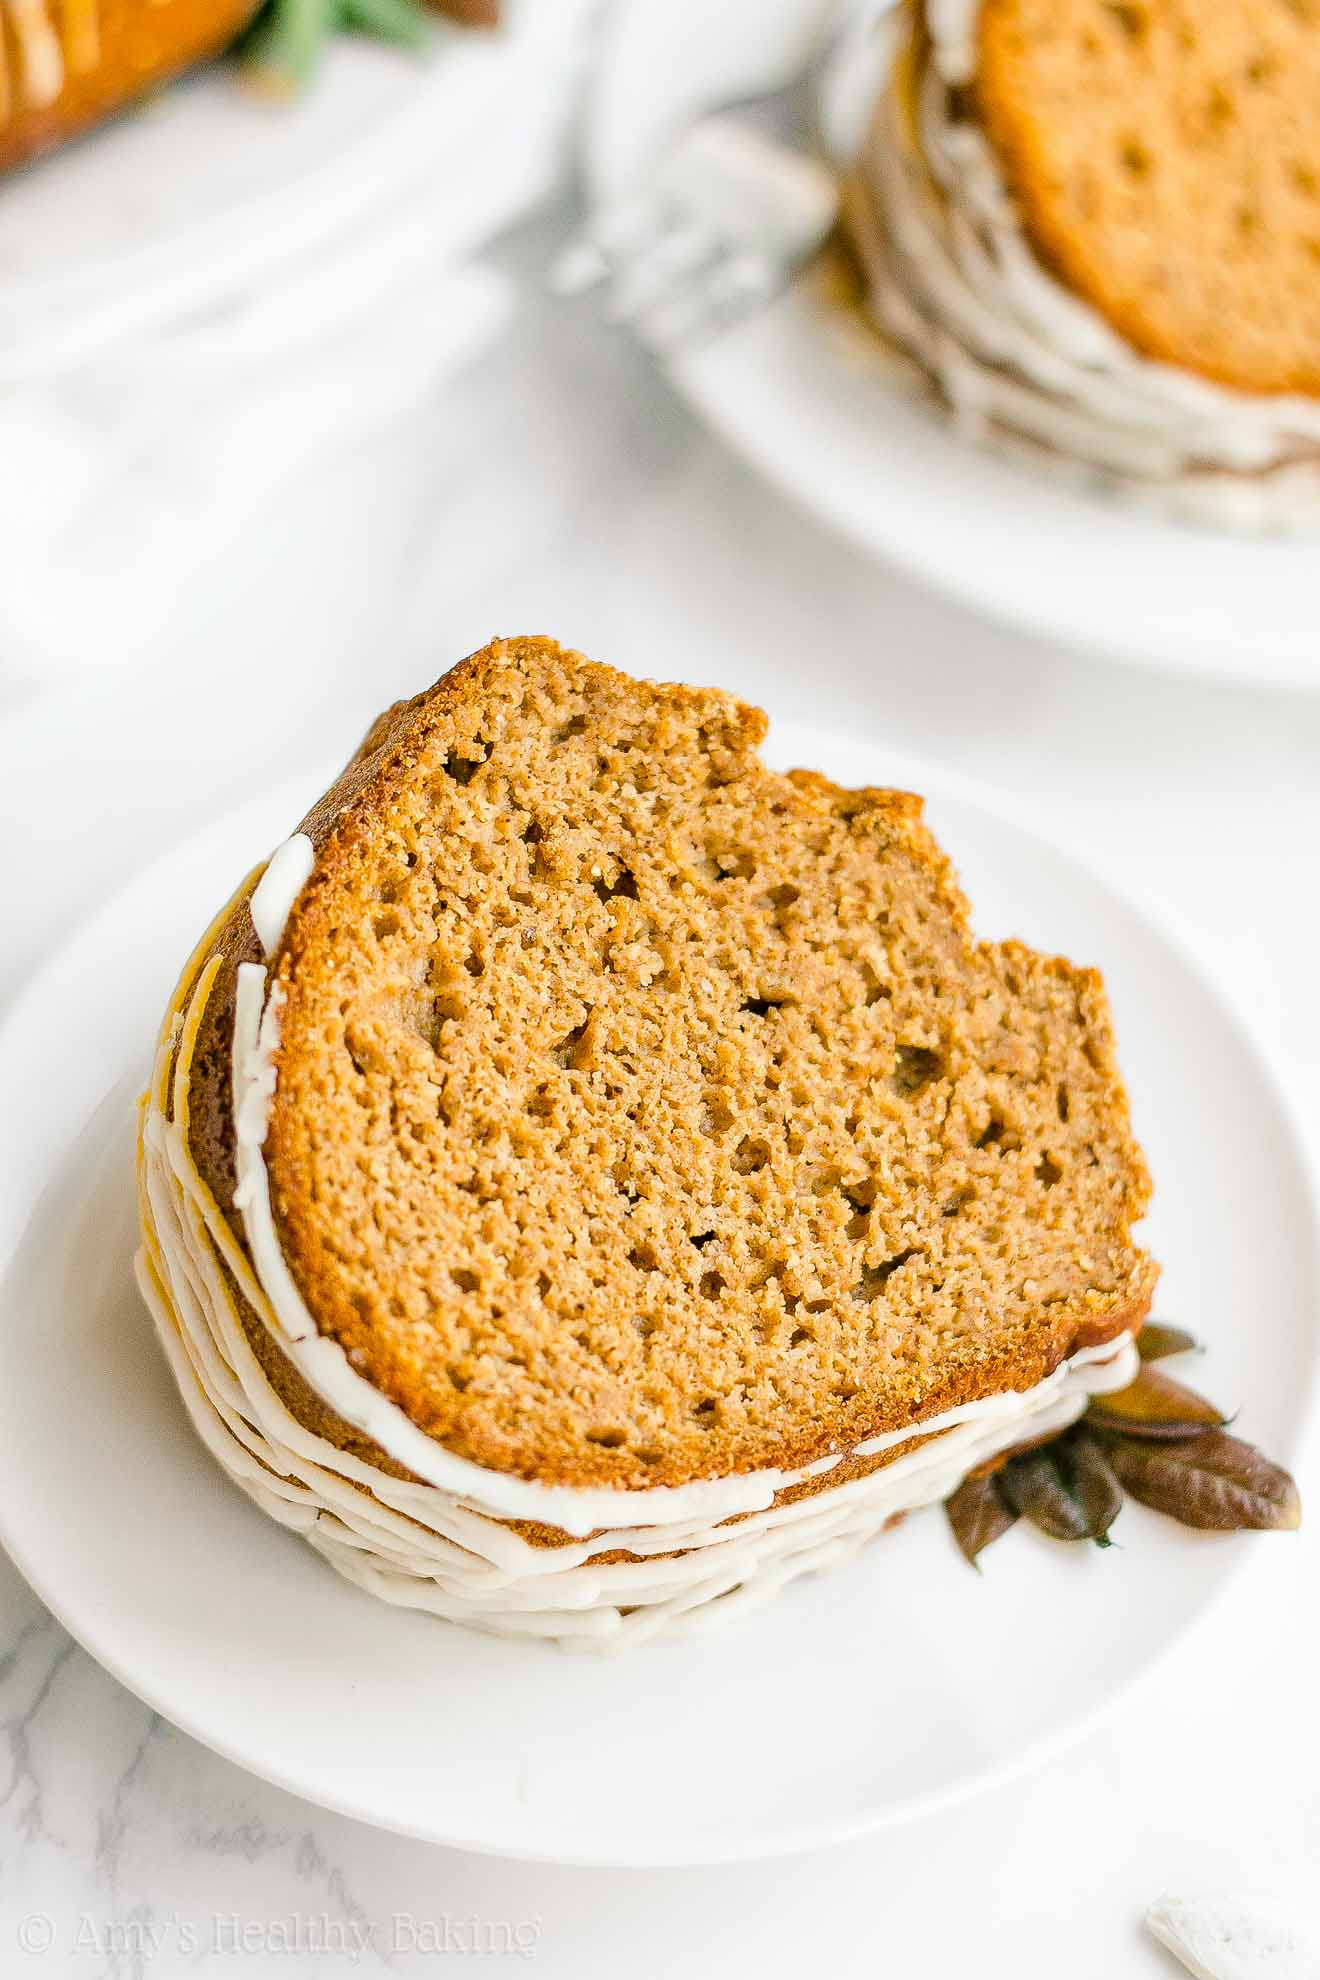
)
(567, 492)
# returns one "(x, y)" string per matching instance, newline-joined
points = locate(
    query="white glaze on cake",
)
(440, 1541)
(1018, 360)
(52, 43)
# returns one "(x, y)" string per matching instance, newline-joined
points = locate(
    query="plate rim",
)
(602, 1850)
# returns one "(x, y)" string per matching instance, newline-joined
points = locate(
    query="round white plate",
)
(801, 391)
(897, 1685)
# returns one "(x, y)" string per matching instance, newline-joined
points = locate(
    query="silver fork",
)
(722, 223)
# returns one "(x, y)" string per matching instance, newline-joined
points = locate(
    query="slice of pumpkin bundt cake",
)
(588, 1175)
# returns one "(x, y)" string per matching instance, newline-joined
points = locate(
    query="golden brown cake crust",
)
(1166, 159)
(802, 1317)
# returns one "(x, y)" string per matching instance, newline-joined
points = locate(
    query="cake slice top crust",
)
(644, 1115)
(1166, 158)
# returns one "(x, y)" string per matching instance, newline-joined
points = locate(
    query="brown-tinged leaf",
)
(1040, 1489)
(978, 1515)
(1156, 1341)
(1211, 1480)
(1094, 1483)
(1154, 1406)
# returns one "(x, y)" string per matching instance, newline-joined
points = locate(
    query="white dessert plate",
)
(894, 1687)
(803, 393)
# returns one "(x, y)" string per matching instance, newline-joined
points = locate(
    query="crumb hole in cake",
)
(750, 1156)
(800, 1336)
(428, 1016)
(712, 1285)
(565, 1052)
(462, 769)
(608, 1440)
(385, 925)
(875, 1278)
(1260, 69)
(702, 1239)
(624, 888)
(1219, 107)
(575, 726)
(1064, 1104)
(915, 1066)
(457, 1379)
(1131, 20)
(874, 991)
(543, 1284)
(645, 1324)
(474, 965)
(643, 1257)
(762, 1006)
(730, 865)
(717, 1116)
(465, 1280)
(780, 899)
(704, 1413)
(1048, 1172)
(998, 1134)
(1134, 158)
(1248, 220)
(859, 1202)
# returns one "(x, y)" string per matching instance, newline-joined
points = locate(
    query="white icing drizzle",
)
(440, 1542)
(48, 53)
(272, 901)
(1021, 362)
(41, 60)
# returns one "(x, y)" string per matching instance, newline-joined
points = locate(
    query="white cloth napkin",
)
(234, 322)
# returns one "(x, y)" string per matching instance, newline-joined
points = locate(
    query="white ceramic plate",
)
(803, 395)
(896, 1686)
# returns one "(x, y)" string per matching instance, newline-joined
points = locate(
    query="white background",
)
(563, 490)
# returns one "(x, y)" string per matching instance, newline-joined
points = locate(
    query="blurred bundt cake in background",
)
(66, 65)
